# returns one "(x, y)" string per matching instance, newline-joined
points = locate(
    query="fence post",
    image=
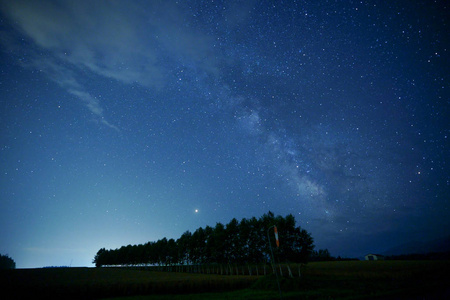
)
(290, 272)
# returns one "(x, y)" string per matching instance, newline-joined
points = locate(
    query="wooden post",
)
(290, 272)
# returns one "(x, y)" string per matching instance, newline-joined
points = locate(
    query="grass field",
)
(321, 280)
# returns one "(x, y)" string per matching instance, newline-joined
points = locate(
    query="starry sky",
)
(124, 122)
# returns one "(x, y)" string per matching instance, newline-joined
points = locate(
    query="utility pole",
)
(271, 251)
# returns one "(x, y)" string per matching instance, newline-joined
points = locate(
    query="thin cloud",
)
(93, 104)
(112, 39)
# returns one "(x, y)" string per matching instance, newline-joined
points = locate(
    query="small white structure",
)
(374, 257)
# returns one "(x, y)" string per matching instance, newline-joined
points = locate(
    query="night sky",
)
(124, 122)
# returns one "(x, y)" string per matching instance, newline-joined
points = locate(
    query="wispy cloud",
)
(93, 104)
(114, 39)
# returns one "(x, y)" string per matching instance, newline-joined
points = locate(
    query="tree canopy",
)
(6, 262)
(236, 242)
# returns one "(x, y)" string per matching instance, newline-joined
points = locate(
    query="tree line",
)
(236, 242)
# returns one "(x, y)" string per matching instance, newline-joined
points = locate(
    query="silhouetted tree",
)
(208, 253)
(198, 246)
(7, 262)
(322, 255)
(219, 244)
(256, 243)
(184, 249)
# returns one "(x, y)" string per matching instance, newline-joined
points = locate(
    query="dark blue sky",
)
(119, 119)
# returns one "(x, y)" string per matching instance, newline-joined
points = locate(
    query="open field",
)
(321, 280)
(85, 283)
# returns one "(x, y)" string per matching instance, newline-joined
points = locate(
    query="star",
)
(158, 111)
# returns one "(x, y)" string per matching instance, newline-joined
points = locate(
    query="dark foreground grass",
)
(346, 280)
(328, 280)
(90, 283)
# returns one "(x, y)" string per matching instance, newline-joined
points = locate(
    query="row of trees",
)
(324, 255)
(236, 242)
(6, 262)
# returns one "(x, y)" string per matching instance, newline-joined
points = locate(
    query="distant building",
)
(374, 257)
